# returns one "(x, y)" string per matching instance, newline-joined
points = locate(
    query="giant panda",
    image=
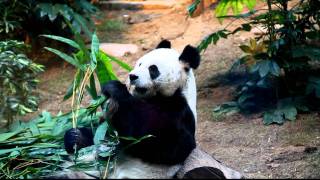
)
(158, 99)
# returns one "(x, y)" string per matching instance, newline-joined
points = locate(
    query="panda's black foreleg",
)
(77, 138)
(116, 90)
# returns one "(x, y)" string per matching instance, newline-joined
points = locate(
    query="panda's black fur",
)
(168, 119)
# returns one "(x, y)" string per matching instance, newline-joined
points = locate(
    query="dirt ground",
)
(241, 142)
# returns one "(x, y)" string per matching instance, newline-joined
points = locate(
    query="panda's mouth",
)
(141, 90)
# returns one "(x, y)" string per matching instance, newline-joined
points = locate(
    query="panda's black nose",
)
(133, 77)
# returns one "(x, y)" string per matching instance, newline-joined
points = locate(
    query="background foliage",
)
(282, 62)
(18, 81)
(35, 149)
(26, 19)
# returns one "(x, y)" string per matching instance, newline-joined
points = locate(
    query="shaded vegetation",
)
(283, 61)
(18, 81)
(26, 19)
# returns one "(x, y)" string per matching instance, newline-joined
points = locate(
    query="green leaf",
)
(193, 7)
(244, 97)
(94, 51)
(65, 57)
(77, 81)
(6, 151)
(290, 113)
(264, 68)
(34, 129)
(274, 68)
(79, 19)
(272, 117)
(135, 140)
(306, 51)
(212, 39)
(104, 70)
(119, 62)
(47, 116)
(245, 48)
(100, 133)
(5, 136)
(64, 40)
(236, 5)
(92, 89)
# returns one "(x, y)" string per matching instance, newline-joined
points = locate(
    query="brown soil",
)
(241, 142)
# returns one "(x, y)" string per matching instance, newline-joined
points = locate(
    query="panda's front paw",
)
(115, 89)
(77, 138)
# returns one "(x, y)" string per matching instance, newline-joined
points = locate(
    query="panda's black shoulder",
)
(170, 102)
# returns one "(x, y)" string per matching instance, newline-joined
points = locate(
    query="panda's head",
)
(162, 71)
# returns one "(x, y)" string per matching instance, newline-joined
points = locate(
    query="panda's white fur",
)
(172, 76)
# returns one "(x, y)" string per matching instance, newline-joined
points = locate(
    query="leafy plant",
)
(283, 62)
(18, 81)
(21, 17)
(35, 149)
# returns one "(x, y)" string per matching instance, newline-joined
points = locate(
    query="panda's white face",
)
(159, 71)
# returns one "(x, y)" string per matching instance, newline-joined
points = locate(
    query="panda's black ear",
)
(191, 56)
(164, 44)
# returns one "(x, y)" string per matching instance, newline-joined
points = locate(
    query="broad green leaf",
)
(244, 97)
(104, 70)
(47, 116)
(290, 113)
(100, 133)
(264, 68)
(119, 62)
(64, 40)
(245, 48)
(34, 129)
(79, 19)
(272, 117)
(5, 136)
(306, 51)
(92, 89)
(6, 151)
(65, 57)
(94, 51)
(274, 68)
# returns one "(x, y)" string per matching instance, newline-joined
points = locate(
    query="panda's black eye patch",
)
(139, 64)
(154, 71)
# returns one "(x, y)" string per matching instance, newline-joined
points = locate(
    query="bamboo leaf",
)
(100, 133)
(94, 51)
(62, 39)
(6, 136)
(118, 61)
(65, 57)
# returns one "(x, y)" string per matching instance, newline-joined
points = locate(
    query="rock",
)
(118, 50)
